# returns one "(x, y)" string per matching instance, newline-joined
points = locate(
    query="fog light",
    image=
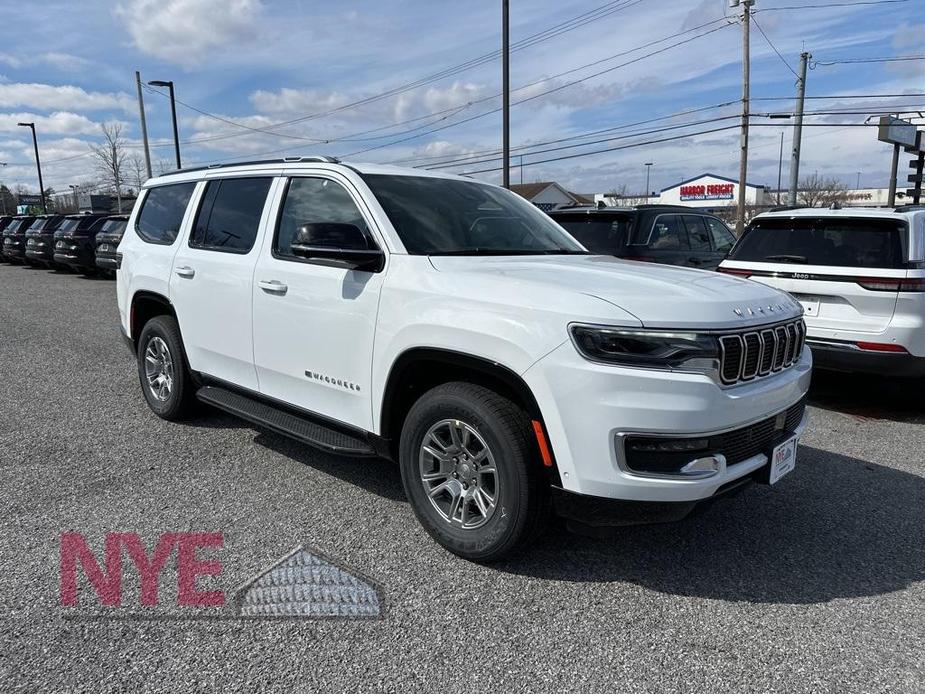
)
(669, 445)
(705, 467)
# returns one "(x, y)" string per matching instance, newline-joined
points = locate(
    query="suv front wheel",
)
(165, 380)
(470, 471)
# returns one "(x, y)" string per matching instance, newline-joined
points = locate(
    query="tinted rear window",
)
(162, 212)
(600, 234)
(820, 241)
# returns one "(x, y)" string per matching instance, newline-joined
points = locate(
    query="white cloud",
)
(57, 123)
(61, 61)
(187, 31)
(47, 97)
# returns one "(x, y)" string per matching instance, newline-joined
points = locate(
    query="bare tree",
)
(821, 191)
(137, 173)
(111, 157)
(619, 196)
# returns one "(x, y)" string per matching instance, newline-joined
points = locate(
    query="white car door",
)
(210, 285)
(315, 320)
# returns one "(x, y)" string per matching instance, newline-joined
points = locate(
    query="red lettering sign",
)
(108, 584)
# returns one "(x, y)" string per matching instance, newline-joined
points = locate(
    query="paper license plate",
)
(783, 459)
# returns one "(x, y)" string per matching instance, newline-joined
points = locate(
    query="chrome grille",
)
(751, 354)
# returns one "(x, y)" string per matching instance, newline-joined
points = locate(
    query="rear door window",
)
(841, 242)
(600, 234)
(162, 213)
(697, 234)
(229, 215)
(668, 234)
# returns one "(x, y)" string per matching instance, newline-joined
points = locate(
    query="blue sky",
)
(69, 66)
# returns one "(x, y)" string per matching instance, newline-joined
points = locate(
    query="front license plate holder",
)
(783, 459)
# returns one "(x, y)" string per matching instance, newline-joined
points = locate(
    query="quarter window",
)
(315, 200)
(162, 213)
(229, 214)
(723, 239)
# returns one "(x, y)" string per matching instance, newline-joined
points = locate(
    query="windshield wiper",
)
(788, 258)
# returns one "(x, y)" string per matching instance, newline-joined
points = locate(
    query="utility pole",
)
(144, 124)
(648, 166)
(798, 131)
(780, 165)
(506, 89)
(746, 69)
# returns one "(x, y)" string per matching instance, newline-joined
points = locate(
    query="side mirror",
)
(342, 245)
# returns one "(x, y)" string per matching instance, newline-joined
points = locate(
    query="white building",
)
(707, 191)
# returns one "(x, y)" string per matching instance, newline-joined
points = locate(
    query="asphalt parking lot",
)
(814, 585)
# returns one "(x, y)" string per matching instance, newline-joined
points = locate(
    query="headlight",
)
(651, 349)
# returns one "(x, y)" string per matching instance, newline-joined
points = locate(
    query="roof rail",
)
(285, 160)
(909, 208)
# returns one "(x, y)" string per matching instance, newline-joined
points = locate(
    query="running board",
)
(283, 422)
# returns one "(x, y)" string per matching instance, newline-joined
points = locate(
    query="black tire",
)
(521, 505)
(179, 401)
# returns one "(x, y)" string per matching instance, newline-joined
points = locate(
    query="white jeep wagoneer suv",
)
(452, 326)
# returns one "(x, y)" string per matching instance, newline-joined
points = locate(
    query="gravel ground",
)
(814, 585)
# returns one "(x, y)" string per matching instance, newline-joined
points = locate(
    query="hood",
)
(659, 296)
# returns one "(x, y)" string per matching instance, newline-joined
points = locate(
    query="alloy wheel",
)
(459, 475)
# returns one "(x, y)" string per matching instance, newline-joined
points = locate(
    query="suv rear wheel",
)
(165, 380)
(469, 468)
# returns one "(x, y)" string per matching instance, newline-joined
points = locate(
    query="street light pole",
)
(648, 168)
(76, 199)
(2, 196)
(38, 163)
(780, 165)
(173, 114)
(506, 96)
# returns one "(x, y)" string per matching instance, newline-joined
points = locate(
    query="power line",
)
(556, 30)
(774, 48)
(834, 4)
(851, 61)
(544, 93)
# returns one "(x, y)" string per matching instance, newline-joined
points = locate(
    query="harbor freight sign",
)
(712, 191)
(27, 200)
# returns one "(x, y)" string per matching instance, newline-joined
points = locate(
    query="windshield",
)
(40, 224)
(601, 234)
(69, 225)
(14, 226)
(114, 225)
(439, 216)
(833, 241)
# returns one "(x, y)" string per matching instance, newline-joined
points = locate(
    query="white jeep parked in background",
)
(860, 275)
(452, 326)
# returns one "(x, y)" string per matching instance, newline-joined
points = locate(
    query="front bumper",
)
(14, 248)
(845, 356)
(40, 248)
(76, 252)
(589, 409)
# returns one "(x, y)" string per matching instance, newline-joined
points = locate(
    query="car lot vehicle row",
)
(453, 327)
(62, 241)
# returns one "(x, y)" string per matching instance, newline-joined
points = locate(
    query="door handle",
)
(186, 271)
(273, 286)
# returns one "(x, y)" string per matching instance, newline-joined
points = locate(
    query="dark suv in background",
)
(5, 221)
(107, 241)
(75, 242)
(14, 239)
(40, 239)
(673, 235)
